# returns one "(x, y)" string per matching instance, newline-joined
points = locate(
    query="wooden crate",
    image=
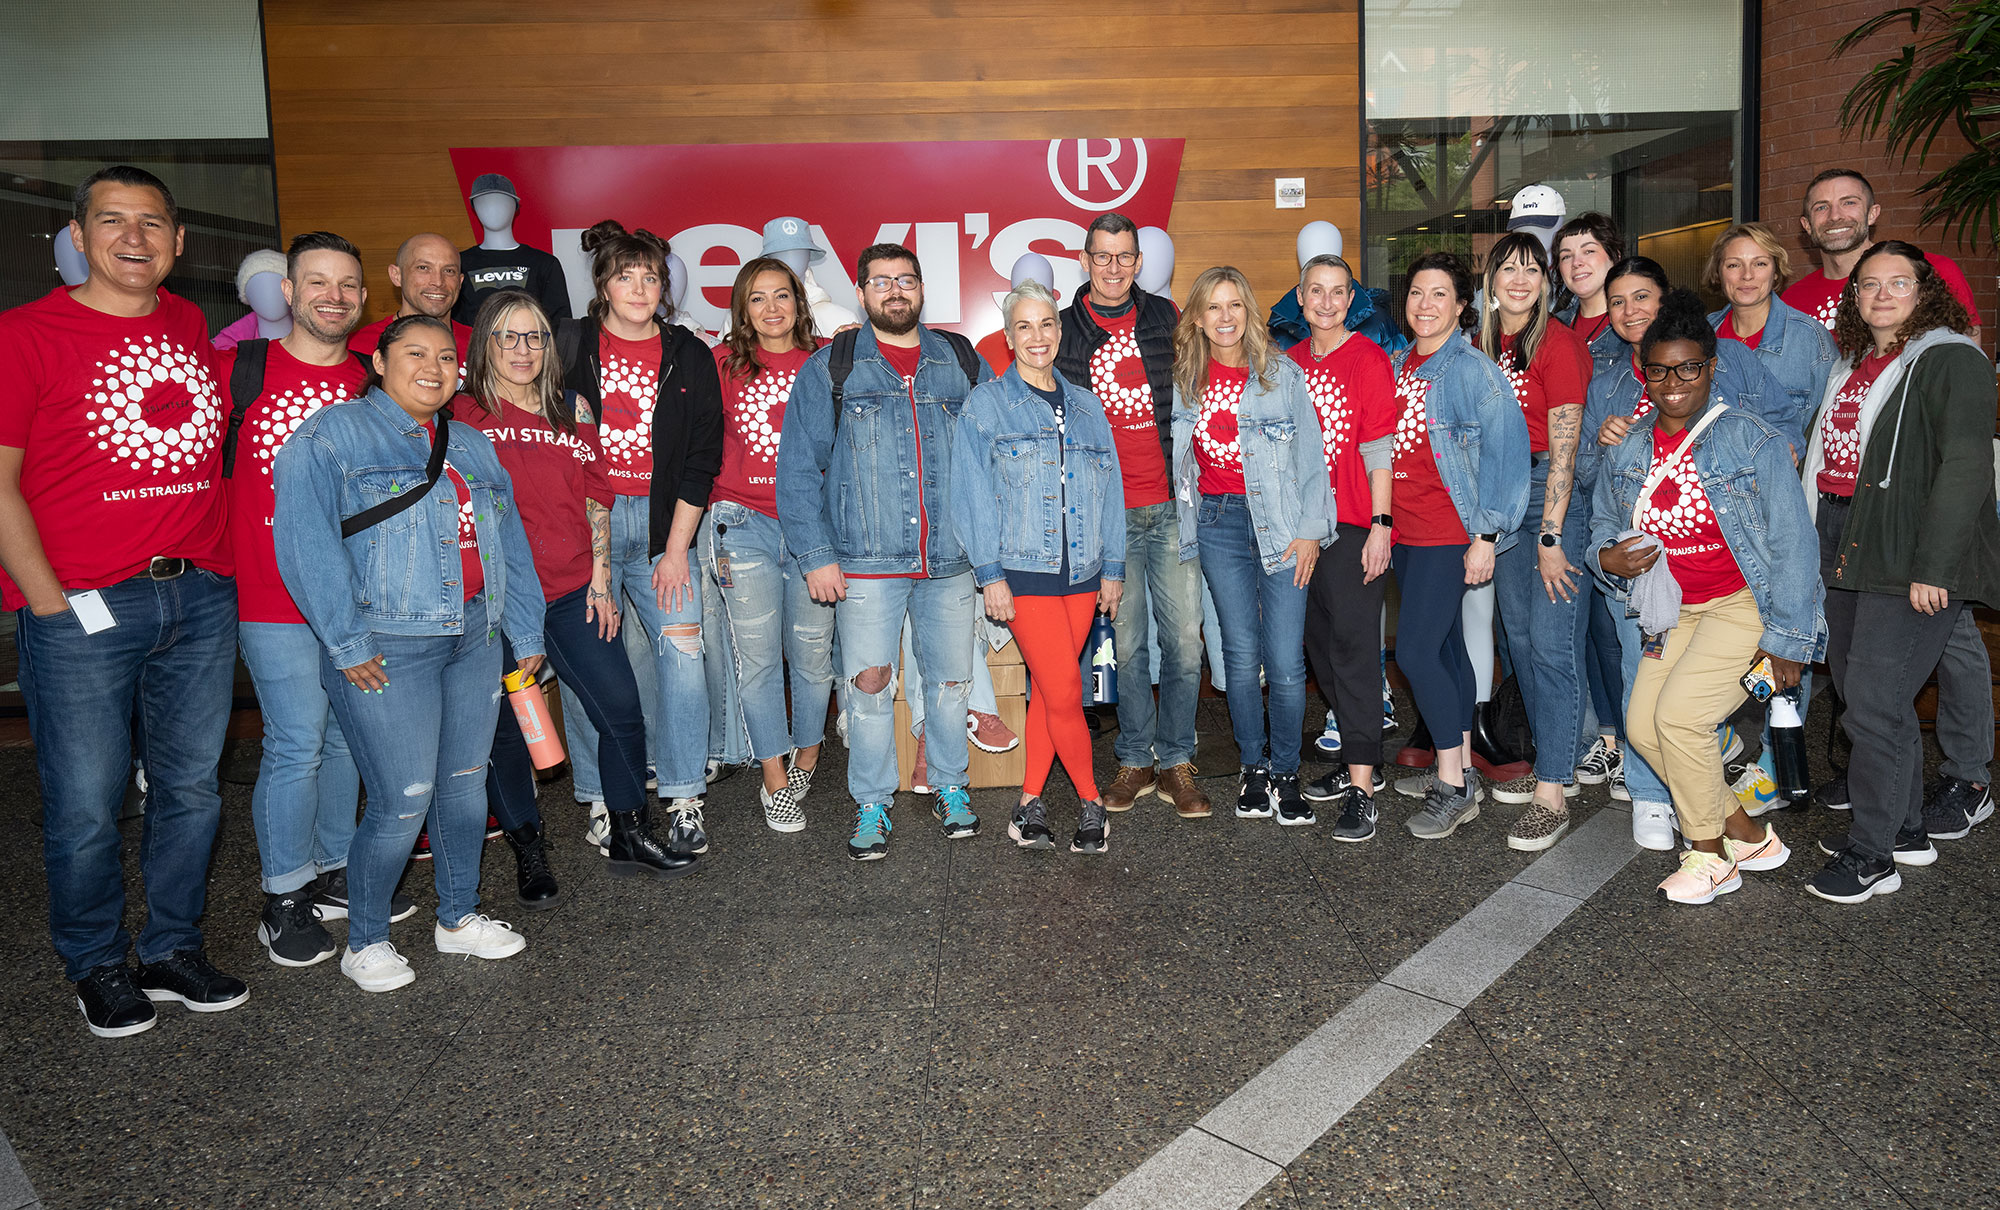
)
(985, 770)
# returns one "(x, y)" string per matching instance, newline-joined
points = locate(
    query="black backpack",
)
(246, 383)
(840, 363)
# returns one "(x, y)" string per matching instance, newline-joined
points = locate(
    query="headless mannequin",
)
(673, 309)
(70, 264)
(1156, 264)
(266, 294)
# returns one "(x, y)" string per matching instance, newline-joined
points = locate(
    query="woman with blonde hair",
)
(1749, 266)
(1255, 504)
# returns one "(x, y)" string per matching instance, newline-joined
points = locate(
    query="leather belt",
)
(163, 568)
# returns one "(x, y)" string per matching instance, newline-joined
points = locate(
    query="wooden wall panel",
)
(367, 97)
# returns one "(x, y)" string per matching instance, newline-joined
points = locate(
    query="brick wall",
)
(1799, 127)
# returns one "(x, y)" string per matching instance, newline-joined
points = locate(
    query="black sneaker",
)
(1955, 807)
(291, 932)
(1833, 794)
(112, 1006)
(1255, 800)
(1029, 827)
(329, 898)
(1357, 818)
(1913, 847)
(1093, 829)
(1292, 808)
(1329, 785)
(1855, 878)
(187, 976)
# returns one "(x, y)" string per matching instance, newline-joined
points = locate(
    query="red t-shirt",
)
(1840, 428)
(1218, 454)
(753, 416)
(1556, 376)
(1425, 515)
(366, 340)
(993, 347)
(1118, 379)
(121, 420)
(1588, 330)
(1644, 407)
(1354, 392)
(628, 385)
(471, 574)
(293, 390)
(553, 474)
(904, 362)
(1728, 332)
(1819, 296)
(1679, 515)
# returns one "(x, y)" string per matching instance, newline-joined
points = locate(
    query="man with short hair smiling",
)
(863, 480)
(112, 537)
(1119, 341)
(427, 280)
(1838, 219)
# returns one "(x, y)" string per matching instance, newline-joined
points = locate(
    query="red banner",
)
(969, 210)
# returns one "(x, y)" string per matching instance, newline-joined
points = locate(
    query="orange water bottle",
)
(531, 711)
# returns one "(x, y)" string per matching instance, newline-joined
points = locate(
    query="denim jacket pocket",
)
(380, 486)
(861, 422)
(1740, 492)
(1014, 460)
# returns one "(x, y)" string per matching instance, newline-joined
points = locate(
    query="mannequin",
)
(1369, 313)
(260, 285)
(1539, 210)
(502, 262)
(1156, 262)
(673, 309)
(70, 264)
(1030, 266)
(791, 241)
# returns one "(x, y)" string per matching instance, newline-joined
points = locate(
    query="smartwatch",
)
(1551, 540)
(1382, 519)
(1493, 538)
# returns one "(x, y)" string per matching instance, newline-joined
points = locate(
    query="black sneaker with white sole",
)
(1029, 826)
(290, 930)
(1833, 794)
(329, 897)
(685, 827)
(1334, 784)
(1853, 877)
(1357, 818)
(111, 1003)
(189, 977)
(1913, 846)
(1255, 799)
(1093, 829)
(1955, 807)
(1292, 809)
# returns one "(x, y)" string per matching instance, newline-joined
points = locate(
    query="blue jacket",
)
(402, 576)
(1739, 375)
(1760, 507)
(851, 494)
(1798, 353)
(1369, 314)
(1284, 465)
(1020, 489)
(1479, 436)
(1605, 348)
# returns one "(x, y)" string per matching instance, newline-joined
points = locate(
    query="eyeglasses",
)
(902, 281)
(1687, 371)
(537, 340)
(1125, 259)
(1895, 287)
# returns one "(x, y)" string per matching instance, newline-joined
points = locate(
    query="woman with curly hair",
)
(1900, 475)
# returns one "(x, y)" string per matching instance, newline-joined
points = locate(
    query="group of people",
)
(1664, 500)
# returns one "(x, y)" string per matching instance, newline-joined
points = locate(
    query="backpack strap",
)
(839, 364)
(968, 357)
(370, 517)
(246, 383)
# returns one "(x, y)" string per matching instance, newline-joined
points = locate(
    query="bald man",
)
(427, 277)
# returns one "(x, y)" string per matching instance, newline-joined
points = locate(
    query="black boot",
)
(634, 851)
(534, 882)
(1493, 757)
(1419, 752)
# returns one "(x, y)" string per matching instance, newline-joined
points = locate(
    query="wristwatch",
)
(1384, 520)
(1551, 540)
(1493, 538)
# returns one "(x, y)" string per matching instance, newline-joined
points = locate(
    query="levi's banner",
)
(969, 210)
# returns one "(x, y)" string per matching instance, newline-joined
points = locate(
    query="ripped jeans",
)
(771, 621)
(870, 621)
(422, 745)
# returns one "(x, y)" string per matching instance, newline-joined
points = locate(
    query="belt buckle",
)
(164, 568)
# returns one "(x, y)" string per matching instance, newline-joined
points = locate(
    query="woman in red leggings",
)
(1039, 504)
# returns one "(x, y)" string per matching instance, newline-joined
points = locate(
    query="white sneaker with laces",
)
(377, 968)
(479, 936)
(1653, 826)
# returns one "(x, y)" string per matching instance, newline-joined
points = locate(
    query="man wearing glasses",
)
(1120, 340)
(863, 477)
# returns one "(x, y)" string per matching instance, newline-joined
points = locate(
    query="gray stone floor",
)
(966, 1025)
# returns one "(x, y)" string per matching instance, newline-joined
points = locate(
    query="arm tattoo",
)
(1565, 424)
(600, 530)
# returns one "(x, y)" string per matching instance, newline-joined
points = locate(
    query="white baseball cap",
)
(1537, 206)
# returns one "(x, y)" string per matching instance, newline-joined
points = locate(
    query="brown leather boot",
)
(1131, 784)
(1177, 786)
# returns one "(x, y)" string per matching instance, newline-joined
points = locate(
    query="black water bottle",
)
(1788, 747)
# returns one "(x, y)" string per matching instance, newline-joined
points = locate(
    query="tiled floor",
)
(965, 1025)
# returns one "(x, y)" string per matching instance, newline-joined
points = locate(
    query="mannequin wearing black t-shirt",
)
(501, 262)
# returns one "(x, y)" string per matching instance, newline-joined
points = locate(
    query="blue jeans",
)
(422, 744)
(1430, 638)
(677, 722)
(173, 656)
(597, 676)
(1262, 618)
(308, 790)
(728, 733)
(1155, 575)
(979, 696)
(771, 621)
(871, 631)
(1644, 784)
(1601, 658)
(1545, 639)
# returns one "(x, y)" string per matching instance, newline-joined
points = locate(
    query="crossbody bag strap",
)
(1659, 473)
(370, 517)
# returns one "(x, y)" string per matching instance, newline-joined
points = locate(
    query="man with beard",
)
(427, 280)
(863, 480)
(112, 535)
(307, 784)
(1839, 220)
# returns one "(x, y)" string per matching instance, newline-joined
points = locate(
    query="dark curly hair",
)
(1461, 284)
(612, 251)
(1937, 306)
(1682, 316)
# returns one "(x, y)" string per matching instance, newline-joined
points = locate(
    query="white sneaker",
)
(377, 968)
(480, 936)
(1653, 826)
(599, 831)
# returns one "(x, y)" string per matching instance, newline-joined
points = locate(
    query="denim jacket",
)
(851, 494)
(1605, 348)
(1744, 381)
(1020, 489)
(1284, 465)
(1798, 352)
(1760, 507)
(1479, 436)
(402, 576)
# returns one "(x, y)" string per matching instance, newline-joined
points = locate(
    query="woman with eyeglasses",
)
(1255, 505)
(1900, 475)
(1710, 491)
(1540, 580)
(652, 387)
(397, 534)
(549, 446)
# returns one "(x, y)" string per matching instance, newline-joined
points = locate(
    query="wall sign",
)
(969, 210)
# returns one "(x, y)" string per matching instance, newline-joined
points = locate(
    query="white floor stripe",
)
(1221, 1162)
